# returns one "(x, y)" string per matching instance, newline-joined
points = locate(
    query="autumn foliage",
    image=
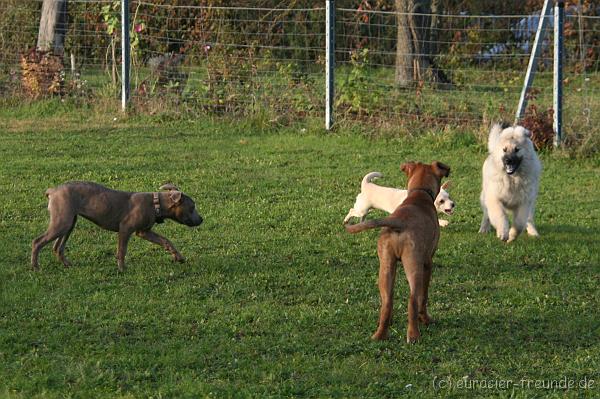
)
(42, 73)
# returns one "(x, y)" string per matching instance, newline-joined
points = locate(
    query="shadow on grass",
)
(548, 229)
(509, 332)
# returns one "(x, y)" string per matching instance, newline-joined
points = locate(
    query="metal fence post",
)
(559, 16)
(329, 62)
(535, 52)
(125, 54)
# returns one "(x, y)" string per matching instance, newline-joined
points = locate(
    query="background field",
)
(276, 299)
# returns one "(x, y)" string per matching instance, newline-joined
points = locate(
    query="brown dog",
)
(120, 211)
(409, 234)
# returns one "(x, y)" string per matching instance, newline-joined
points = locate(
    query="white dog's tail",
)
(368, 177)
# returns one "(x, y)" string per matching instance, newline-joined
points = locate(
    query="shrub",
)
(540, 124)
(42, 73)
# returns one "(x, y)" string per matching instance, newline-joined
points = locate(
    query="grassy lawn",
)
(276, 299)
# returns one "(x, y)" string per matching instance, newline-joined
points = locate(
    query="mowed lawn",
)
(276, 299)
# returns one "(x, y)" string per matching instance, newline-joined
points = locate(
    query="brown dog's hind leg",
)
(414, 275)
(387, 276)
(59, 245)
(163, 242)
(424, 317)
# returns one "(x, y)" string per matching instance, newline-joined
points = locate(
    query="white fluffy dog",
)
(511, 175)
(388, 199)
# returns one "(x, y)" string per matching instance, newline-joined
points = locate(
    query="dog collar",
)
(156, 203)
(428, 191)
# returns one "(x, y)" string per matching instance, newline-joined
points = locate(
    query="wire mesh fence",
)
(477, 64)
(247, 60)
(89, 65)
(230, 60)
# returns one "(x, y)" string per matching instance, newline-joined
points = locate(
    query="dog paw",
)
(502, 235)
(63, 259)
(379, 335)
(412, 337)
(443, 223)
(514, 233)
(426, 320)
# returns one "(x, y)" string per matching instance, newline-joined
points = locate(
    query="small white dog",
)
(388, 199)
(511, 175)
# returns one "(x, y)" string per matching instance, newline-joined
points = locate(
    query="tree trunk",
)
(415, 45)
(53, 26)
(404, 48)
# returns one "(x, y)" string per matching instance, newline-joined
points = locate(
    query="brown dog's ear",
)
(446, 185)
(408, 168)
(441, 169)
(175, 196)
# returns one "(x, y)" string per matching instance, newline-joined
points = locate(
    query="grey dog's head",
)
(185, 212)
(510, 145)
(182, 207)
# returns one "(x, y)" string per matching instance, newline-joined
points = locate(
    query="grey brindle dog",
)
(119, 211)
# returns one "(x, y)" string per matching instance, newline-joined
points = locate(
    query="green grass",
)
(276, 299)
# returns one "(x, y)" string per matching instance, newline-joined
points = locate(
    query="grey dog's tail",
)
(374, 224)
(368, 177)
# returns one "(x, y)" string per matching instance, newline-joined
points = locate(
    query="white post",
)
(329, 62)
(535, 52)
(559, 14)
(73, 64)
(125, 54)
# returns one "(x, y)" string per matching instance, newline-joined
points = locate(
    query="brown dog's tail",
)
(374, 224)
